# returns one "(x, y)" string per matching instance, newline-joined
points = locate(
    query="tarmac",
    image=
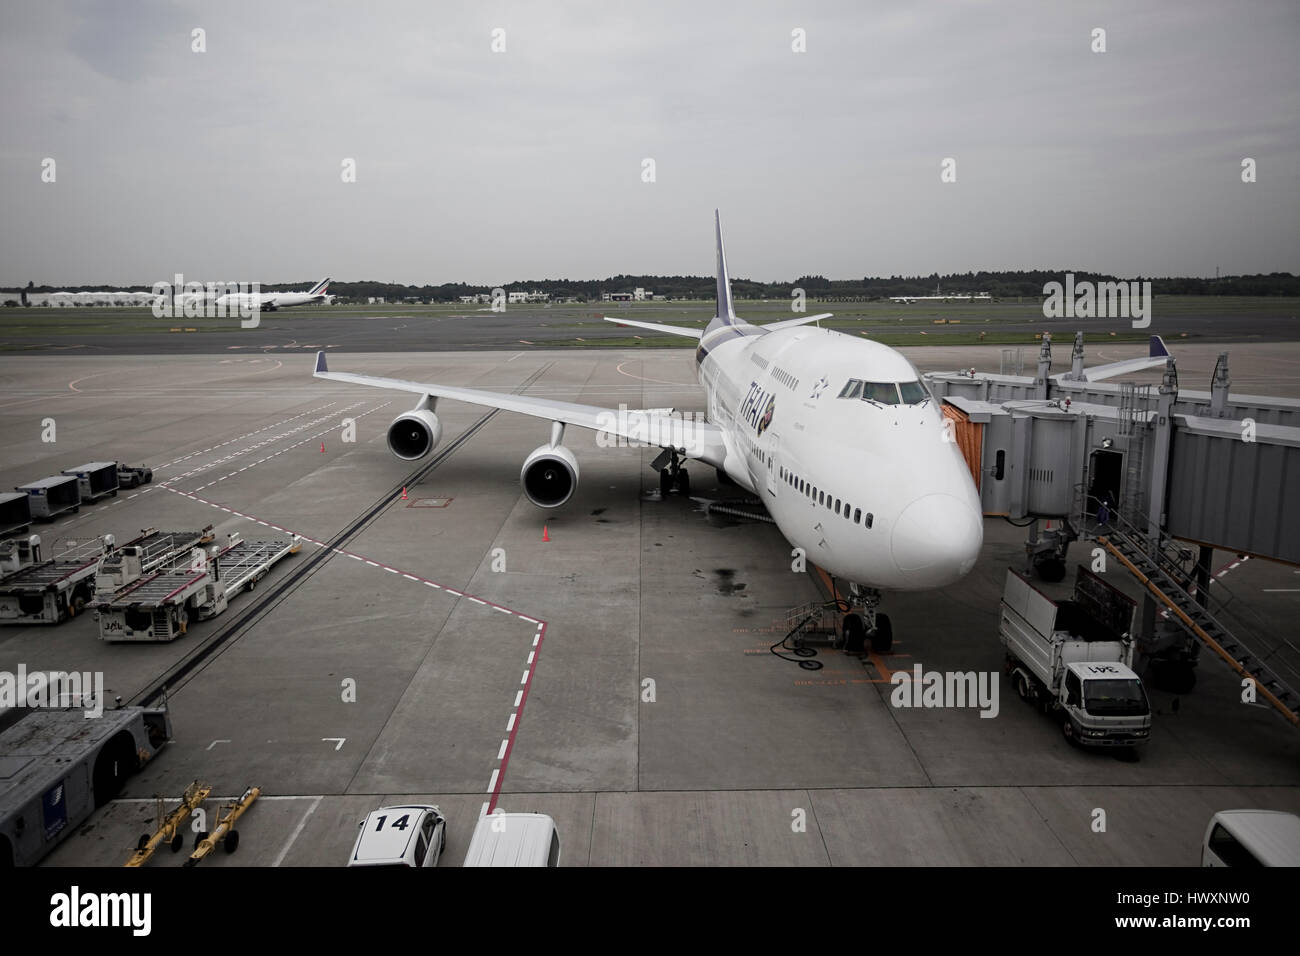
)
(607, 662)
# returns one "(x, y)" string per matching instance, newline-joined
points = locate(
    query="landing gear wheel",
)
(683, 482)
(882, 638)
(178, 841)
(855, 634)
(665, 482)
(231, 843)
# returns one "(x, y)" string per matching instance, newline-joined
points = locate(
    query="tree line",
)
(1007, 284)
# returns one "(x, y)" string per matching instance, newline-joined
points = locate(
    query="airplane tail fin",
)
(725, 310)
(320, 287)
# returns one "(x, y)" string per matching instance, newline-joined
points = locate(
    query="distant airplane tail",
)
(320, 287)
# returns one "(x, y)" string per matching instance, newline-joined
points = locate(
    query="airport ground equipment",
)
(60, 765)
(37, 591)
(145, 554)
(225, 833)
(15, 513)
(1198, 610)
(1074, 659)
(95, 480)
(159, 606)
(132, 476)
(53, 496)
(169, 825)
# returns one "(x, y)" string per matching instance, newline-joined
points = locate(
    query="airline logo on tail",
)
(320, 287)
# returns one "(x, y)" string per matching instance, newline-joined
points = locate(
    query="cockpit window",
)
(886, 393)
(914, 393)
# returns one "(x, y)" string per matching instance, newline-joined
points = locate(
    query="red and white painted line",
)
(534, 654)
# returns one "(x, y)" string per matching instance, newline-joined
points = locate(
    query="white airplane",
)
(837, 435)
(940, 297)
(270, 301)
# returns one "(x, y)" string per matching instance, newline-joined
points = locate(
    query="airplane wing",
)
(656, 327)
(696, 333)
(1158, 353)
(695, 439)
(791, 323)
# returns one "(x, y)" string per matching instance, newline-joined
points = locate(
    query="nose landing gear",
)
(865, 622)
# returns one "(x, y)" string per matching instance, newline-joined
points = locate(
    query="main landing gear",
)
(672, 473)
(865, 622)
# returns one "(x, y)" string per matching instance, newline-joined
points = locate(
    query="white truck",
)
(1074, 659)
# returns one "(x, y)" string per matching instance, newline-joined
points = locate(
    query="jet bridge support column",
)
(1043, 383)
(1161, 436)
(1219, 386)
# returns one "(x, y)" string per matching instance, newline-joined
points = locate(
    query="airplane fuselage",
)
(873, 492)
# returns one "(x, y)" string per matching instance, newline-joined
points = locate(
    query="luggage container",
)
(53, 496)
(95, 480)
(15, 512)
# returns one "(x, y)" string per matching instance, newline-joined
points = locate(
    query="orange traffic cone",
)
(403, 492)
(322, 448)
(545, 535)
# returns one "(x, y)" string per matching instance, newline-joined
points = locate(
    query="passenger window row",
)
(785, 378)
(820, 497)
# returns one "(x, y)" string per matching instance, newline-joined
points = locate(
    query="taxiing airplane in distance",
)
(837, 435)
(270, 301)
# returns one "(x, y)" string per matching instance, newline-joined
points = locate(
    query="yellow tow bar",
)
(225, 833)
(169, 829)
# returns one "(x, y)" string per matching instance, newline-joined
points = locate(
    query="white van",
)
(1252, 838)
(514, 839)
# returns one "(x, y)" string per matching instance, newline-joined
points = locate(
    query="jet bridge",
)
(1070, 458)
(1205, 467)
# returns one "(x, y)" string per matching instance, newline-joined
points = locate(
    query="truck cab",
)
(1105, 705)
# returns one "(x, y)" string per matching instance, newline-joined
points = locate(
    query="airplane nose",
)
(938, 535)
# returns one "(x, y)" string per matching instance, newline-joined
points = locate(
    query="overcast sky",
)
(490, 167)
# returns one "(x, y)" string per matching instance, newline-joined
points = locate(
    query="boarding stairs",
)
(1159, 567)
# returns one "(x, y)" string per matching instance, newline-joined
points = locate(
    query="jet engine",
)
(549, 476)
(414, 434)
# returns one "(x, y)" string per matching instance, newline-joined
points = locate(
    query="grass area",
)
(1006, 322)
